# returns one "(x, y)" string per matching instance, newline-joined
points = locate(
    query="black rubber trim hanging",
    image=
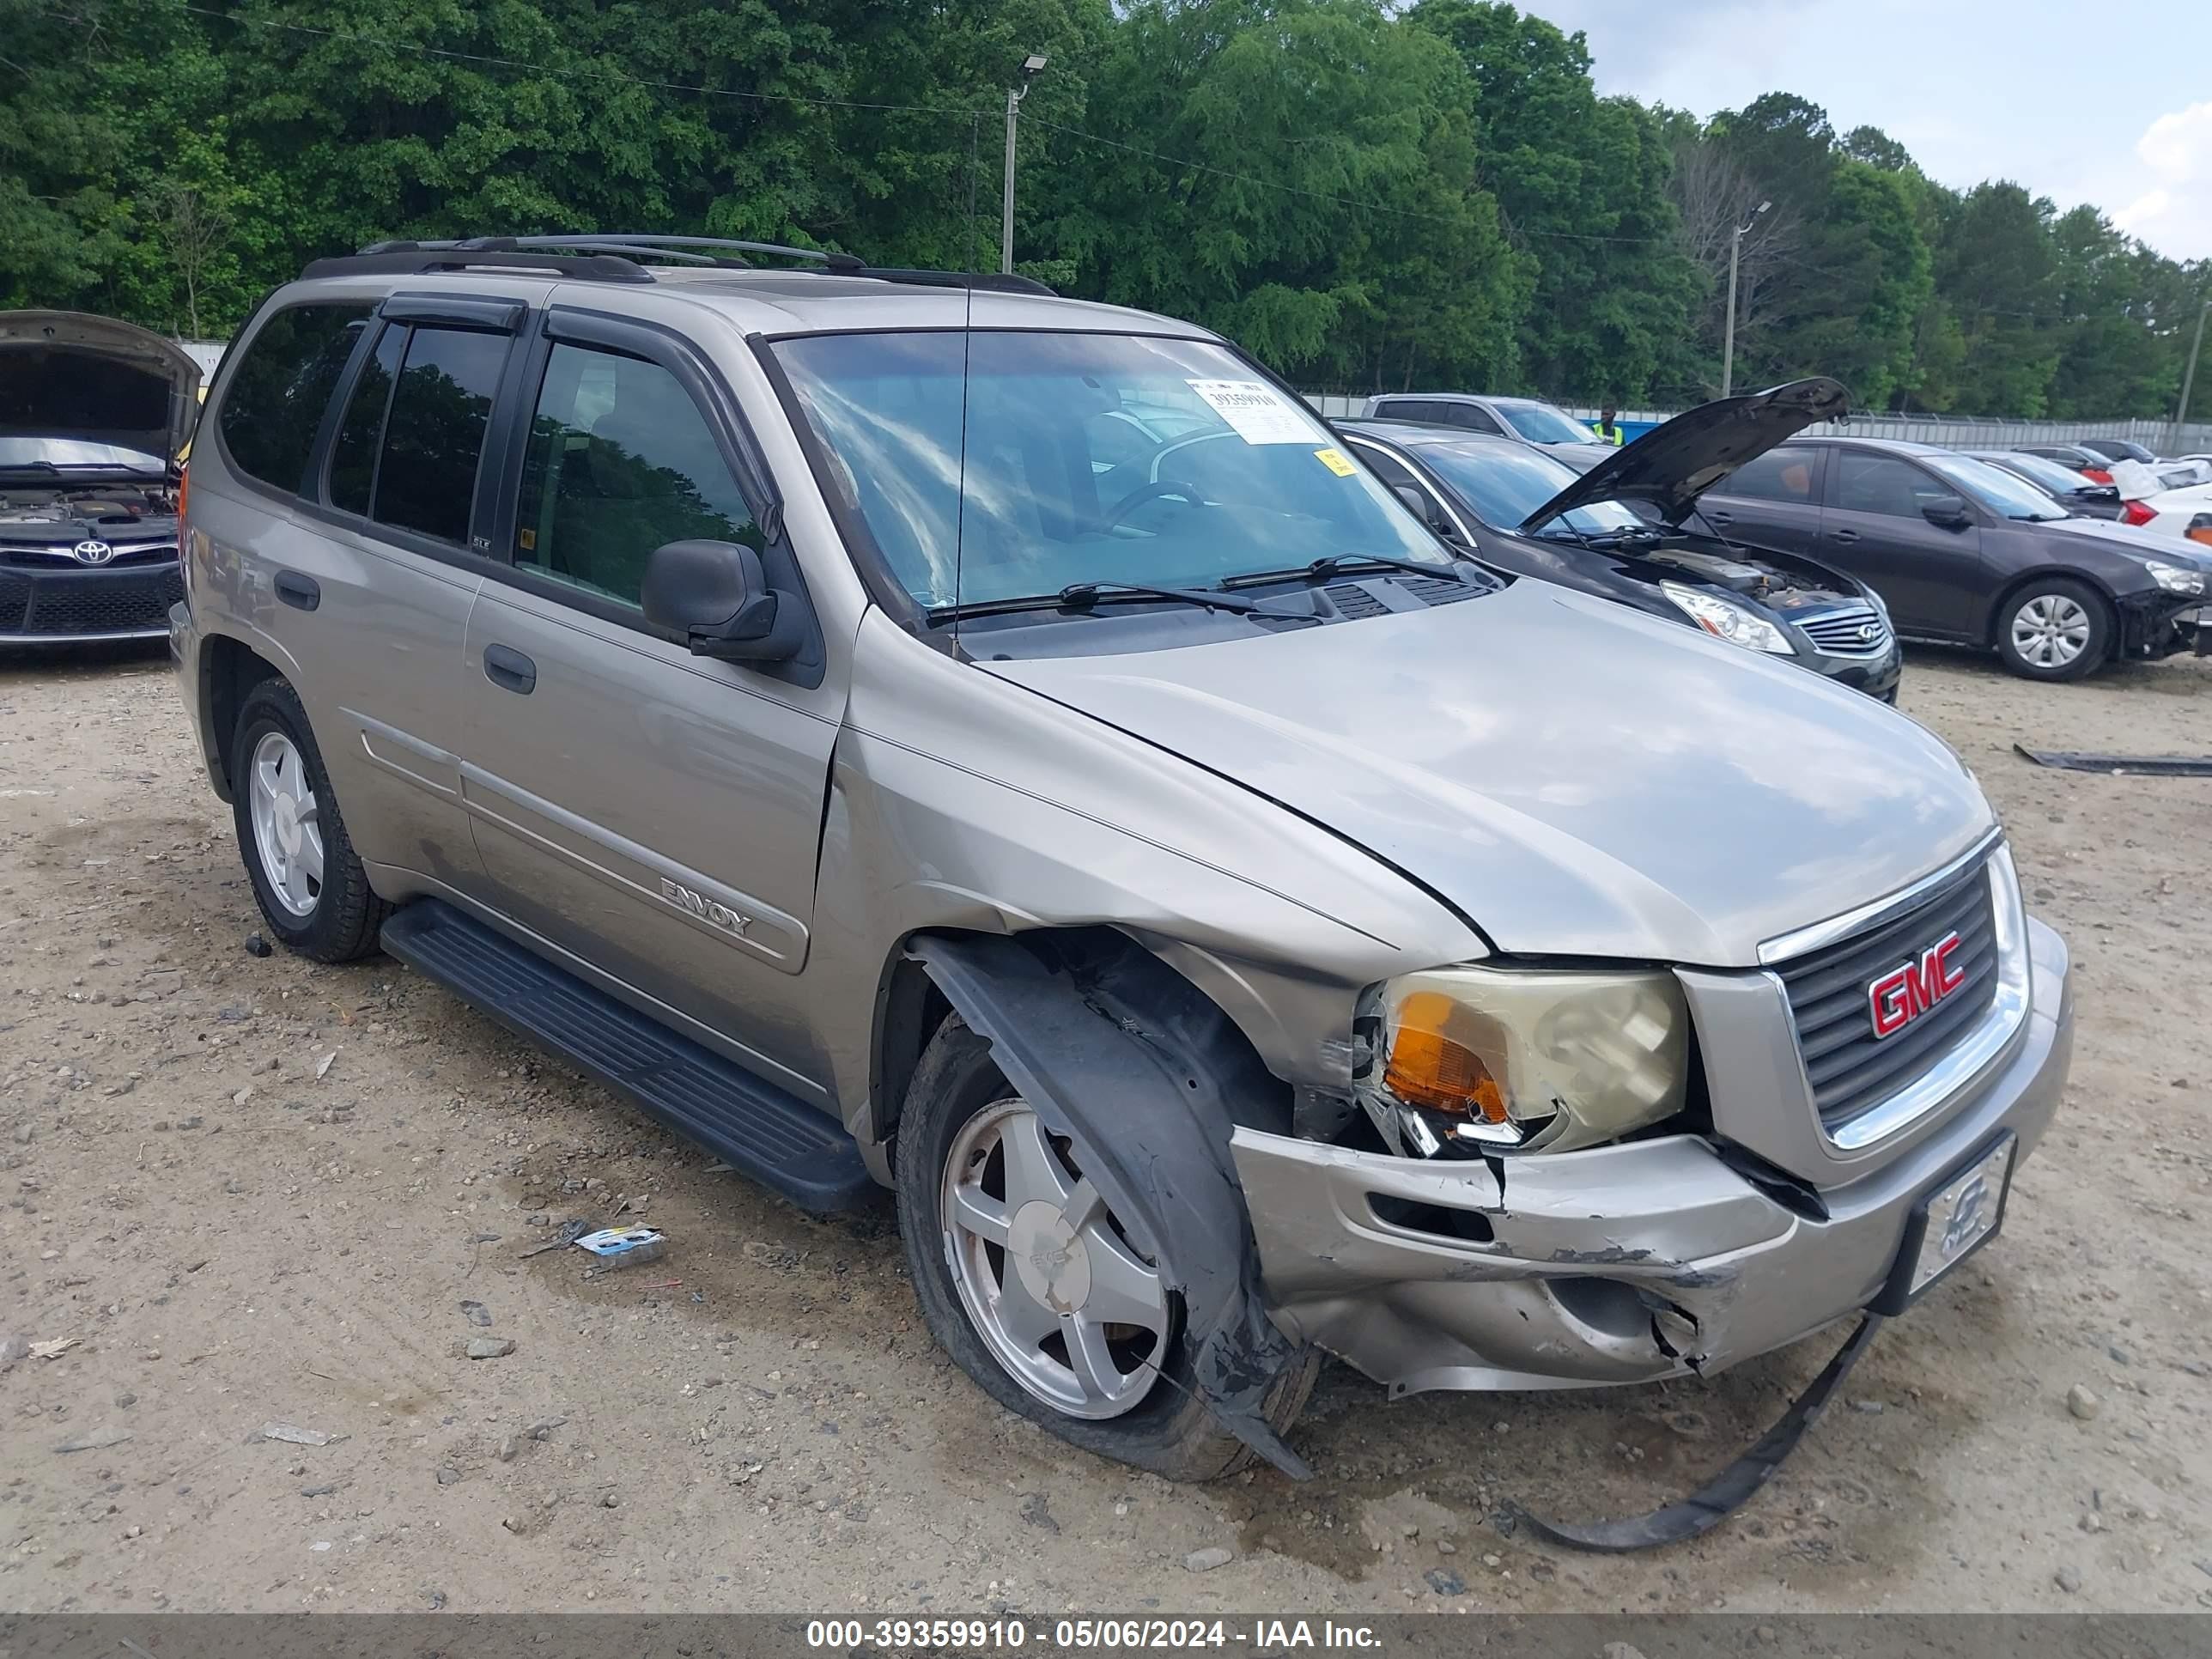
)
(1727, 1491)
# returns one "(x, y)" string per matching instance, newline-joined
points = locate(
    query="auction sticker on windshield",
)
(1255, 411)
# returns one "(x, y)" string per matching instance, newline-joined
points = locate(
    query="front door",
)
(655, 813)
(1929, 574)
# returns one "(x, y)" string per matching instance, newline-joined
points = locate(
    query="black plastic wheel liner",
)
(1726, 1492)
(1140, 1069)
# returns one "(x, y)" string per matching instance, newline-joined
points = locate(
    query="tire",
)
(2055, 629)
(1167, 1430)
(341, 913)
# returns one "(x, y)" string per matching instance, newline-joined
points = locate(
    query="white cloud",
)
(2175, 214)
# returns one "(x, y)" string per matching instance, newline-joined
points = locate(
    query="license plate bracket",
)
(1954, 1217)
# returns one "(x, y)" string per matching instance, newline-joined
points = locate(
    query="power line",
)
(580, 68)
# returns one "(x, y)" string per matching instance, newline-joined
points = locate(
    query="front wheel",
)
(1028, 1279)
(2055, 629)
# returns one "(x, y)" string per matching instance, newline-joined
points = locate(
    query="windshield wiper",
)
(1341, 563)
(1081, 596)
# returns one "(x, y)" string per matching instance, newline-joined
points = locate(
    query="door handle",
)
(1718, 517)
(1844, 535)
(510, 670)
(302, 593)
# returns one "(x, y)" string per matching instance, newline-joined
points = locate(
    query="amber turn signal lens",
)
(1428, 1068)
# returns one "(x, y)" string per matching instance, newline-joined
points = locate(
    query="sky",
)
(2109, 102)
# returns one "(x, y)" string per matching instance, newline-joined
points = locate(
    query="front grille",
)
(1841, 633)
(101, 603)
(60, 558)
(1851, 1070)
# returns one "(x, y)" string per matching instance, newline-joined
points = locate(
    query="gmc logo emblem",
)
(1911, 989)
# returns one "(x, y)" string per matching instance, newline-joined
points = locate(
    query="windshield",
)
(68, 454)
(1088, 458)
(1996, 488)
(1540, 424)
(2058, 480)
(1504, 483)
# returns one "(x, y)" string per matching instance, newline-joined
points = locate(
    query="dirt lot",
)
(258, 1191)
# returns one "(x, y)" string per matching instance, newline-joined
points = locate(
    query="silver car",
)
(1235, 925)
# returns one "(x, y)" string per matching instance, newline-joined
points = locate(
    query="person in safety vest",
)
(1605, 429)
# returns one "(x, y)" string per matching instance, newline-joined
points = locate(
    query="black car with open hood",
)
(93, 414)
(1625, 531)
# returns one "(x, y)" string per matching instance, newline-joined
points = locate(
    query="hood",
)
(1671, 465)
(2135, 541)
(71, 375)
(1576, 778)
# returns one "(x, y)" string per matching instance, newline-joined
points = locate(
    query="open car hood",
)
(1671, 465)
(72, 375)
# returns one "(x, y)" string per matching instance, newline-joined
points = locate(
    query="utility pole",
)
(2188, 379)
(1030, 65)
(1728, 338)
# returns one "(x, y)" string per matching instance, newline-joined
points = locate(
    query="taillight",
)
(2137, 513)
(2096, 475)
(183, 489)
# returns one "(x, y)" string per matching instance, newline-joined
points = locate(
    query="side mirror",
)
(1949, 511)
(717, 597)
(1425, 508)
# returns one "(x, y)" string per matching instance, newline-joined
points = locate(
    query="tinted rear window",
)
(275, 399)
(1779, 474)
(426, 479)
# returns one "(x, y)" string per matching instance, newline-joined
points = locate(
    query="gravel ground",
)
(245, 1192)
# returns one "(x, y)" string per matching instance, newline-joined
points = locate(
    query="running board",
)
(755, 1127)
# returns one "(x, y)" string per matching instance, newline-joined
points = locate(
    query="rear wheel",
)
(1027, 1278)
(2055, 629)
(312, 889)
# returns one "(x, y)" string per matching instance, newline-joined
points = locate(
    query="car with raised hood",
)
(93, 412)
(1629, 531)
(1236, 925)
(1527, 420)
(1969, 554)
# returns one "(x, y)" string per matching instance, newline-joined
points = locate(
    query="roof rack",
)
(613, 256)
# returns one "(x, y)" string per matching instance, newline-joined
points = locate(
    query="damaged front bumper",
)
(2162, 625)
(1620, 1264)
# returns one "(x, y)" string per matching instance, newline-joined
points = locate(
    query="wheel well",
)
(229, 670)
(1999, 605)
(910, 1007)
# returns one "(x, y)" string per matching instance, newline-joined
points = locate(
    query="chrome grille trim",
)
(1784, 947)
(1837, 632)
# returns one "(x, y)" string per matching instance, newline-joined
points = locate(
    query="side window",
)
(361, 430)
(1779, 474)
(1475, 418)
(1399, 409)
(275, 400)
(1884, 484)
(1396, 474)
(620, 462)
(426, 474)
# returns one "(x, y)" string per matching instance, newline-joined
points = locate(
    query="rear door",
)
(1929, 574)
(1772, 500)
(654, 814)
(365, 584)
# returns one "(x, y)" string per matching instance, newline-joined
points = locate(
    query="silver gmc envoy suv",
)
(910, 730)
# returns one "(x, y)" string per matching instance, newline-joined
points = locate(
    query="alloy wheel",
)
(1075, 1315)
(287, 830)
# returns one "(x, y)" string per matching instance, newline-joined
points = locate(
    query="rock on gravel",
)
(2082, 1403)
(2068, 1579)
(1207, 1560)
(490, 1347)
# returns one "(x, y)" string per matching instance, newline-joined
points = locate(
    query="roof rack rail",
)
(613, 256)
(423, 258)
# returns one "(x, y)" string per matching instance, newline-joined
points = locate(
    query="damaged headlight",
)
(2173, 579)
(1506, 1061)
(1727, 620)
